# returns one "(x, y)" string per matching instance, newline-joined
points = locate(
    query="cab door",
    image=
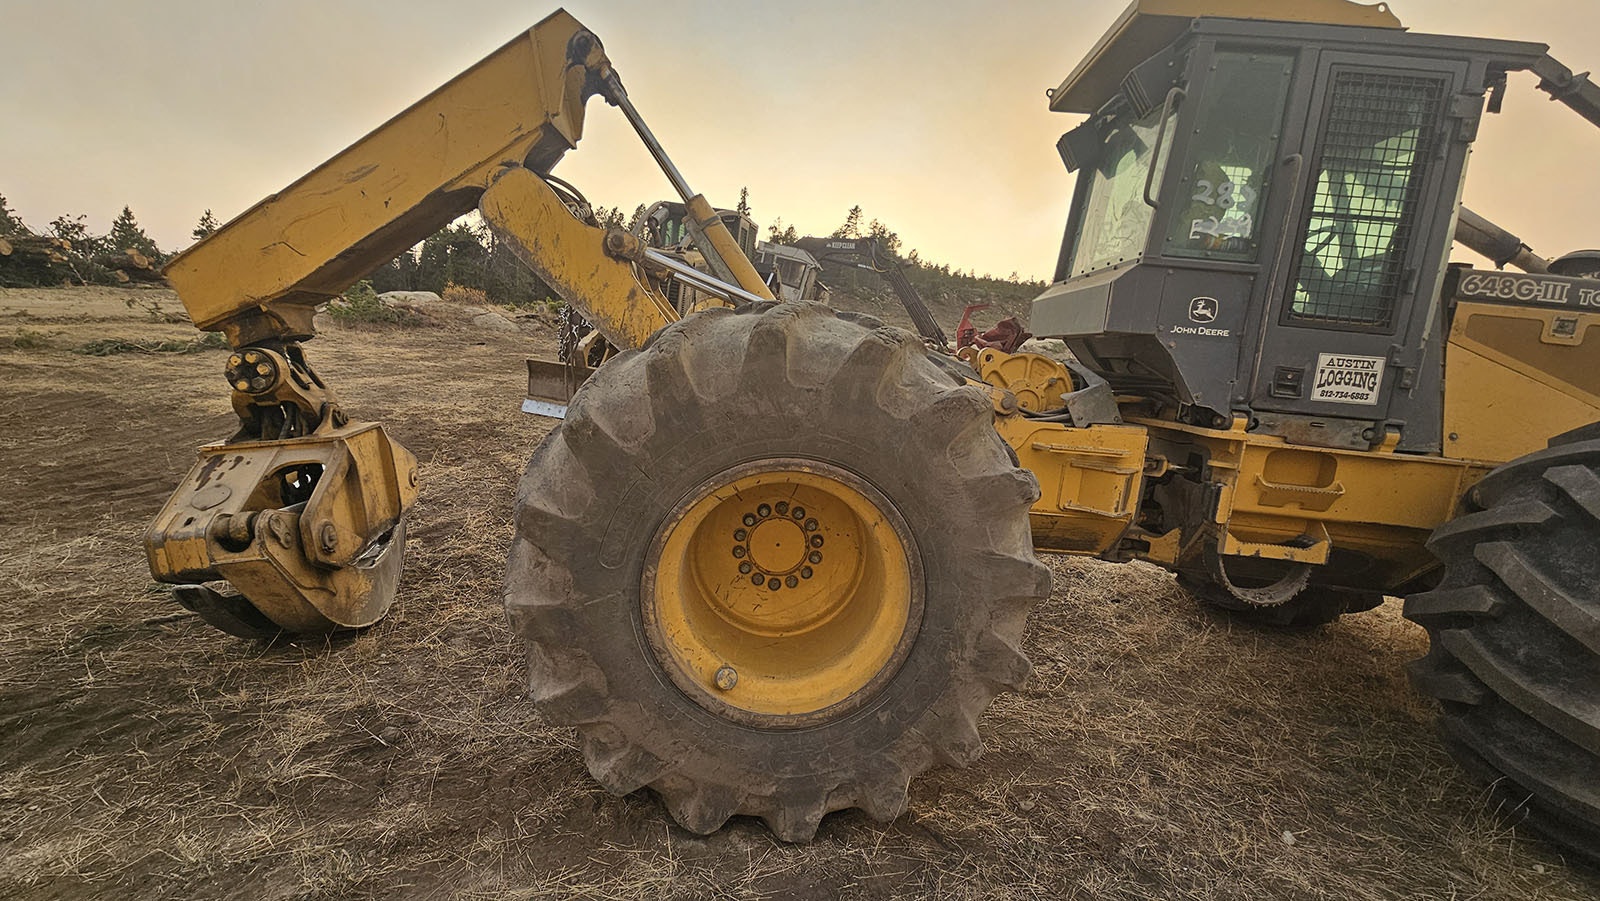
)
(1349, 291)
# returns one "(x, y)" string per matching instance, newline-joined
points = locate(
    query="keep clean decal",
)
(1344, 379)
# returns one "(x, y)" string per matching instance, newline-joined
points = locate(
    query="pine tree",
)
(609, 216)
(126, 235)
(637, 217)
(744, 201)
(206, 226)
(888, 239)
(778, 235)
(852, 224)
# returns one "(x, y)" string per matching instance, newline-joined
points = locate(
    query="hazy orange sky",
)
(930, 116)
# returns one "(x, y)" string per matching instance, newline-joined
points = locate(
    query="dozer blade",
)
(550, 385)
(309, 532)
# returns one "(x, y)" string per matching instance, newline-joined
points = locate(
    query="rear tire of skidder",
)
(1514, 628)
(867, 491)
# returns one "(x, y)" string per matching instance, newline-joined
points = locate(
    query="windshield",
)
(1116, 221)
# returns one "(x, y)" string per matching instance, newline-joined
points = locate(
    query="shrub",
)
(467, 297)
(360, 306)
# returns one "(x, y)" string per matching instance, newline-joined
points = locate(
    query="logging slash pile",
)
(67, 253)
(41, 254)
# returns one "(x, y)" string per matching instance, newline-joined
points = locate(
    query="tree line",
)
(464, 253)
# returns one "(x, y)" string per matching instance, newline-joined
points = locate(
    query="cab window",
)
(1229, 163)
(1115, 224)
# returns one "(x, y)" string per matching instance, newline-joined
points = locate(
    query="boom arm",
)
(1579, 94)
(262, 275)
(869, 254)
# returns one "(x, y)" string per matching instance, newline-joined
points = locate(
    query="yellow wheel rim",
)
(782, 593)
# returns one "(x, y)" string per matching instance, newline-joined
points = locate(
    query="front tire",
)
(1514, 627)
(890, 609)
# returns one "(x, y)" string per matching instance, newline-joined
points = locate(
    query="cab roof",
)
(1148, 26)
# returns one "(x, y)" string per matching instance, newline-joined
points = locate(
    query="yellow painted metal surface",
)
(613, 294)
(1270, 500)
(1037, 381)
(1516, 376)
(1298, 503)
(1148, 26)
(783, 592)
(308, 568)
(1089, 481)
(725, 247)
(394, 187)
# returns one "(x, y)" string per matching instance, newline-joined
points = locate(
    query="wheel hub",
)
(777, 545)
(782, 593)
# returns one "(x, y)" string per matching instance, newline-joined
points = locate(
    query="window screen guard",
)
(1378, 139)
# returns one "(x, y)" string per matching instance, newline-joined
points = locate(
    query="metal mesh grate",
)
(1379, 136)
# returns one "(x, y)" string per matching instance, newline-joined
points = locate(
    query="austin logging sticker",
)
(1344, 379)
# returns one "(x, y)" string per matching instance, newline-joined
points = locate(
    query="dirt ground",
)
(1159, 752)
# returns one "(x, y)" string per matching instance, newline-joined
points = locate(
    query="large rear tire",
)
(864, 487)
(1515, 632)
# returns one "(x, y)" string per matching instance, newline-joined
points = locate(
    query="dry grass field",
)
(1159, 752)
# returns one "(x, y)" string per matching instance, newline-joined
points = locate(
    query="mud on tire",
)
(1514, 628)
(716, 391)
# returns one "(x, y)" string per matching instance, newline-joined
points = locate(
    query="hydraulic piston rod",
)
(722, 253)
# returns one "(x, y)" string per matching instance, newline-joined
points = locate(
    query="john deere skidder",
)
(777, 559)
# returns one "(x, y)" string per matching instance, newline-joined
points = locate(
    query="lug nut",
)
(738, 550)
(749, 519)
(745, 567)
(791, 581)
(726, 678)
(805, 572)
(740, 534)
(815, 557)
(799, 513)
(811, 525)
(816, 541)
(774, 584)
(763, 511)
(782, 508)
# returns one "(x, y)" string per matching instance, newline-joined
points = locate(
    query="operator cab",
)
(790, 273)
(1263, 213)
(665, 226)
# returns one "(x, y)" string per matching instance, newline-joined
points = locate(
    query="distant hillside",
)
(946, 293)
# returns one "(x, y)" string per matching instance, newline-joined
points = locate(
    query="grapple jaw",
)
(309, 531)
